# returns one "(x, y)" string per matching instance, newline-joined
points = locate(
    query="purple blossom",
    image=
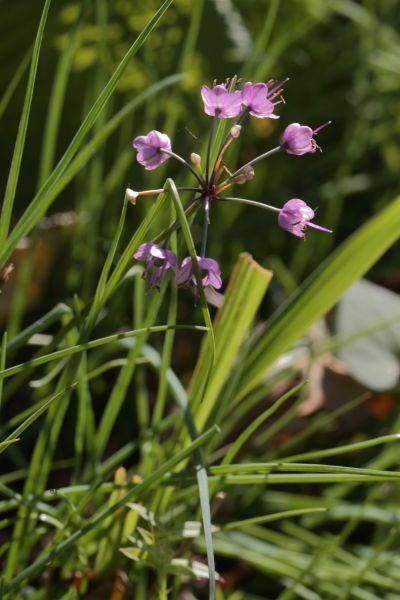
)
(256, 98)
(298, 139)
(219, 102)
(210, 272)
(149, 149)
(295, 217)
(157, 260)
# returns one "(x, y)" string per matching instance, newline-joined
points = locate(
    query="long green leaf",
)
(170, 185)
(56, 101)
(8, 93)
(21, 135)
(201, 472)
(109, 339)
(32, 418)
(246, 289)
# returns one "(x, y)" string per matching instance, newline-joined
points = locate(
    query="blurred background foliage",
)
(343, 60)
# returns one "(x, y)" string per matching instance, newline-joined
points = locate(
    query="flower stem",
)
(185, 163)
(161, 190)
(210, 141)
(224, 146)
(205, 227)
(252, 203)
(258, 158)
(193, 206)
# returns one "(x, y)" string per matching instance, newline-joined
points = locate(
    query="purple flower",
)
(157, 260)
(256, 98)
(210, 272)
(295, 216)
(219, 102)
(149, 149)
(298, 139)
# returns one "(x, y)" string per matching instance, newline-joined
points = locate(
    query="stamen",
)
(277, 86)
(315, 131)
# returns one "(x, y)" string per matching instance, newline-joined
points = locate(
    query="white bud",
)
(131, 195)
(196, 159)
(235, 131)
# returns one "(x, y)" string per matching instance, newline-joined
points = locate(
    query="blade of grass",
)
(201, 472)
(294, 478)
(96, 303)
(12, 181)
(222, 470)
(125, 375)
(109, 339)
(170, 186)
(12, 86)
(384, 439)
(57, 98)
(159, 405)
(3, 361)
(244, 523)
(250, 429)
(32, 418)
(38, 326)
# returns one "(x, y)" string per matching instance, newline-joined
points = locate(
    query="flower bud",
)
(196, 159)
(235, 131)
(131, 195)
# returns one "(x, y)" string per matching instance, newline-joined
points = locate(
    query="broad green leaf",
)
(372, 359)
(246, 289)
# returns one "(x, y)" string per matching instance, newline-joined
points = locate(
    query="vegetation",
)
(154, 445)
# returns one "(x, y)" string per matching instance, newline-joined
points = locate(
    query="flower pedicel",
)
(222, 101)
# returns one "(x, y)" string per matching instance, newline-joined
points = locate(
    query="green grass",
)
(152, 438)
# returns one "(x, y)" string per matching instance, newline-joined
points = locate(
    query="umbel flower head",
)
(213, 177)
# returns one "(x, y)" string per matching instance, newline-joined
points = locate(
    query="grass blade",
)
(13, 175)
(109, 339)
(14, 84)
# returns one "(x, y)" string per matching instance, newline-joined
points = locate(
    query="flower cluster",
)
(157, 260)
(223, 101)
